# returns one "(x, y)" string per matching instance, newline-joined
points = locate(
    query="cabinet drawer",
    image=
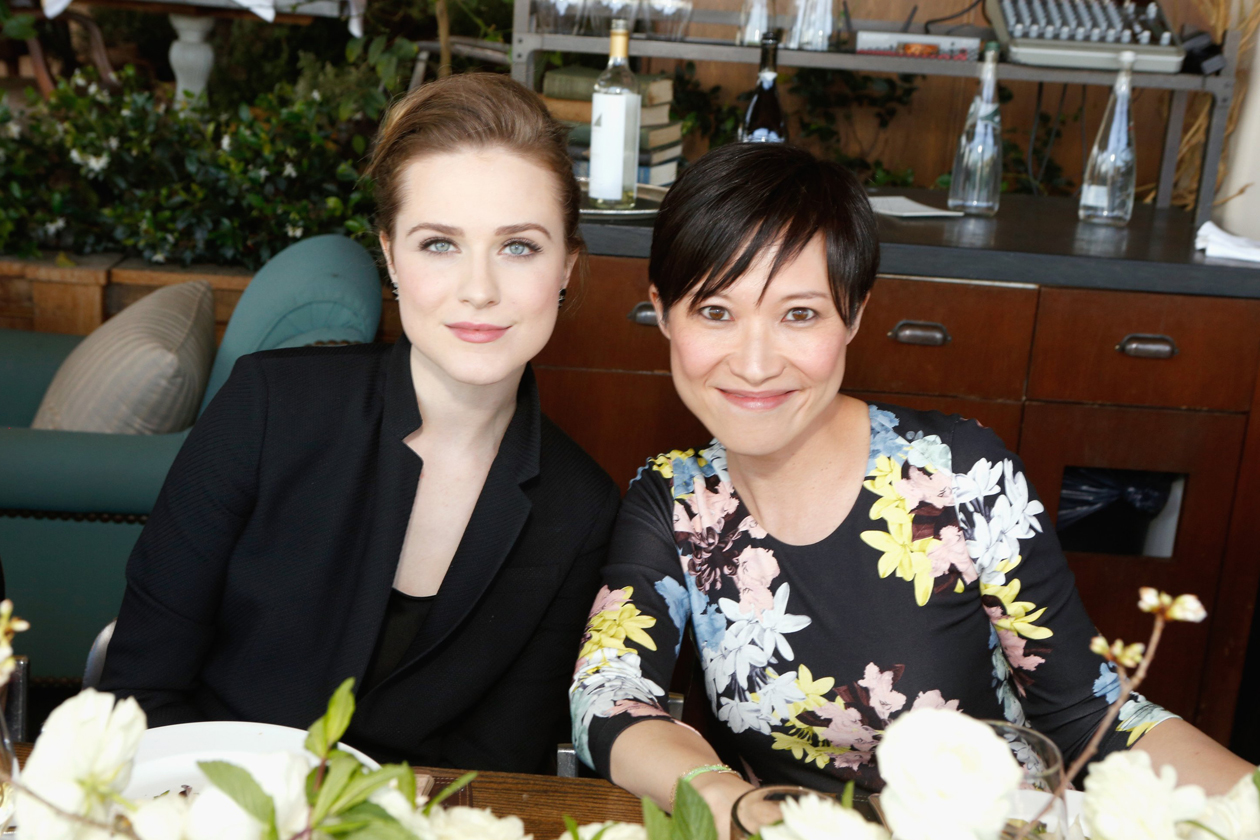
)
(975, 339)
(594, 331)
(1191, 352)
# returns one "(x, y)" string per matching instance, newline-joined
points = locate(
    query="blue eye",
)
(520, 248)
(438, 246)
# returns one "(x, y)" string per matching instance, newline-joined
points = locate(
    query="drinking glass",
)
(1043, 772)
(667, 19)
(599, 15)
(8, 770)
(559, 17)
(760, 807)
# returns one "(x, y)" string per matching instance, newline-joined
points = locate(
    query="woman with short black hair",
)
(839, 563)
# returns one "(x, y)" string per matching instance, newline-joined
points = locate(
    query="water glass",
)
(667, 19)
(599, 15)
(559, 17)
(8, 770)
(759, 808)
(1043, 773)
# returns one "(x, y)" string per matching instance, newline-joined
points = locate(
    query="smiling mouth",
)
(477, 333)
(756, 400)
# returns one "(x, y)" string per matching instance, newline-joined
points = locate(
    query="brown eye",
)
(801, 313)
(714, 313)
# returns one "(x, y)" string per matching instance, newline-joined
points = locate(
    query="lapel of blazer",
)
(397, 475)
(496, 522)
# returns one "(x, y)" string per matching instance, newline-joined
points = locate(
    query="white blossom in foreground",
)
(81, 761)
(1234, 816)
(947, 777)
(608, 831)
(163, 818)
(1125, 800)
(282, 776)
(819, 818)
(463, 823)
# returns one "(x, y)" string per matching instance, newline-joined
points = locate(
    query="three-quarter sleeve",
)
(176, 571)
(636, 625)
(1044, 672)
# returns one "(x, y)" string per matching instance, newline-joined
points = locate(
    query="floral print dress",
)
(943, 587)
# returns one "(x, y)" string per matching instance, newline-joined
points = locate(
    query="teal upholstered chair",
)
(72, 504)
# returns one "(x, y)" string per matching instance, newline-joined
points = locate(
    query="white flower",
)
(819, 818)
(282, 776)
(93, 89)
(262, 172)
(777, 696)
(53, 227)
(1234, 816)
(1125, 800)
(609, 831)
(463, 823)
(290, 171)
(78, 78)
(1187, 608)
(164, 818)
(81, 760)
(125, 112)
(930, 452)
(95, 164)
(741, 715)
(112, 143)
(981, 481)
(14, 130)
(226, 143)
(158, 257)
(294, 231)
(315, 95)
(947, 777)
(76, 157)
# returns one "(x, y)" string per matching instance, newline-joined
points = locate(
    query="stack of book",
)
(567, 93)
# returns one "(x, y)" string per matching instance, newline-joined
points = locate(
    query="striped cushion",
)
(141, 372)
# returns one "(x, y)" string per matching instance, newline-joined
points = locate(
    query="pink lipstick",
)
(756, 400)
(475, 333)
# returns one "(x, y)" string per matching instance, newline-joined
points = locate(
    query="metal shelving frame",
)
(527, 42)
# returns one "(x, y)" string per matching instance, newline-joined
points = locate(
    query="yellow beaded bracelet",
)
(697, 771)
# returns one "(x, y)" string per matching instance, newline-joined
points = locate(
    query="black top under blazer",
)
(261, 580)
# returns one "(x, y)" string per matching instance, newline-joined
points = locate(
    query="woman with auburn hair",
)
(838, 563)
(402, 515)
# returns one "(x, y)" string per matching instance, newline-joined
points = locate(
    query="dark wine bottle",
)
(763, 123)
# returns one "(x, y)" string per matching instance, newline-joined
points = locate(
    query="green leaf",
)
(359, 144)
(692, 818)
(375, 50)
(388, 69)
(365, 784)
(327, 731)
(571, 826)
(244, 791)
(20, 27)
(449, 791)
(846, 798)
(354, 49)
(338, 772)
(1256, 778)
(656, 821)
(367, 821)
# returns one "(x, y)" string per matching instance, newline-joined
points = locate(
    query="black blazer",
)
(261, 579)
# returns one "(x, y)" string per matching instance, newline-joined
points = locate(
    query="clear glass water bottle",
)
(763, 121)
(976, 183)
(615, 112)
(1111, 174)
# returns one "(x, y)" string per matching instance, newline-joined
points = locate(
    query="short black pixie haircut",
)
(740, 199)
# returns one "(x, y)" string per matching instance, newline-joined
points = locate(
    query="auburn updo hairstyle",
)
(465, 112)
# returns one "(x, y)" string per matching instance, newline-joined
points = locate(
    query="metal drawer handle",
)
(1143, 346)
(922, 333)
(644, 314)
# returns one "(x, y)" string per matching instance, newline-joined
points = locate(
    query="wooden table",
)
(540, 801)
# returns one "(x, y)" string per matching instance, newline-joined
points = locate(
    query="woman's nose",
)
(755, 358)
(479, 287)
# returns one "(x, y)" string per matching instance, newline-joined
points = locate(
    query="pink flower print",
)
(608, 599)
(952, 551)
(712, 508)
(846, 729)
(934, 489)
(755, 569)
(754, 530)
(933, 700)
(1013, 646)
(879, 683)
(682, 520)
(635, 708)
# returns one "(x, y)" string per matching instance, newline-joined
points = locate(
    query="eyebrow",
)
(805, 296)
(505, 230)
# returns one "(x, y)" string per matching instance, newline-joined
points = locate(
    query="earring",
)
(563, 292)
(393, 285)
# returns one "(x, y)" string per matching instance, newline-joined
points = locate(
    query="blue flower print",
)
(1108, 683)
(885, 441)
(677, 600)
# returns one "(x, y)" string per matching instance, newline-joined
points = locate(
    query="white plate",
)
(168, 755)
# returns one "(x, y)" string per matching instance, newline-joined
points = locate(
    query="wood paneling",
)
(1204, 446)
(67, 307)
(1004, 418)
(990, 327)
(621, 419)
(593, 330)
(1078, 331)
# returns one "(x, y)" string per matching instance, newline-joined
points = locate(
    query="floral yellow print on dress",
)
(943, 587)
